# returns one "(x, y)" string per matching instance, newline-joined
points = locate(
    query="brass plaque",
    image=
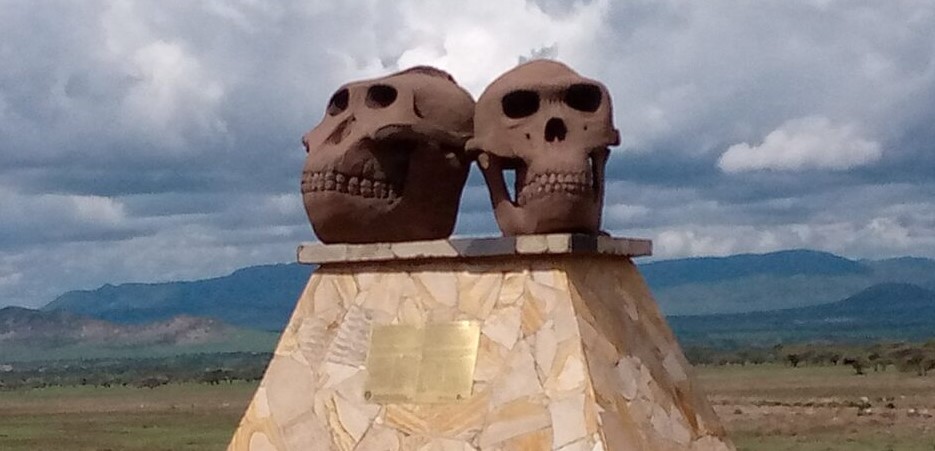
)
(407, 364)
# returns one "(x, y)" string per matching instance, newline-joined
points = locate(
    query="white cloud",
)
(53, 217)
(624, 213)
(877, 237)
(170, 129)
(486, 38)
(811, 142)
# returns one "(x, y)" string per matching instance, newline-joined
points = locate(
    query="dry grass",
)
(766, 408)
(171, 417)
(770, 407)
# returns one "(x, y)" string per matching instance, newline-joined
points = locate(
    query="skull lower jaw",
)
(340, 217)
(556, 212)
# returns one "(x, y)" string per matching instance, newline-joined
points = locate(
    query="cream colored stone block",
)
(573, 355)
(384, 299)
(565, 350)
(379, 438)
(546, 346)
(422, 249)
(531, 244)
(621, 432)
(352, 339)
(568, 424)
(534, 315)
(261, 404)
(336, 373)
(312, 339)
(290, 387)
(412, 313)
(354, 419)
(537, 440)
(460, 421)
(305, 432)
(572, 375)
(545, 294)
(681, 433)
(491, 358)
(441, 444)
(322, 253)
(565, 324)
(558, 242)
(518, 379)
(367, 279)
(515, 419)
(628, 373)
(511, 290)
(579, 445)
(673, 366)
(442, 287)
(260, 442)
(372, 251)
(547, 277)
(502, 326)
(478, 293)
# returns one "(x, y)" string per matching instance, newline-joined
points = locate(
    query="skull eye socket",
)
(381, 96)
(338, 102)
(584, 97)
(519, 104)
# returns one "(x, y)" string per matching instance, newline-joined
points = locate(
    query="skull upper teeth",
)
(574, 184)
(321, 181)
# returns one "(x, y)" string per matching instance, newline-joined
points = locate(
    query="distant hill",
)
(777, 280)
(258, 297)
(27, 334)
(668, 273)
(891, 311)
(262, 297)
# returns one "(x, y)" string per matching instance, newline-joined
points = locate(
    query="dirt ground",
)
(765, 408)
(770, 407)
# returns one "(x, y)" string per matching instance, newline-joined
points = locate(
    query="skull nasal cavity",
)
(381, 96)
(555, 130)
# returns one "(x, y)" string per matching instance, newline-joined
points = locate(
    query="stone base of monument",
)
(548, 342)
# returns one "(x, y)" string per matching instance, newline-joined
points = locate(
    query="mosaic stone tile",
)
(573, 355)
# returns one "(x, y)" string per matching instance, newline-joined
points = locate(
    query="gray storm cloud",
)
(144, 141)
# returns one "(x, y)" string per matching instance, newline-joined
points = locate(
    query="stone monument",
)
(544, 339)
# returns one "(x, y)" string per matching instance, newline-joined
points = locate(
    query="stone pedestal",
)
(557, 345)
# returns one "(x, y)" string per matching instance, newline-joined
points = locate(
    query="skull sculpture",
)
(552, 127)
(387, 162)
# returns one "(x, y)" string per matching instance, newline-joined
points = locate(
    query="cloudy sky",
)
(159, 140)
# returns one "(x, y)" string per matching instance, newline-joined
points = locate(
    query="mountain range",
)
(773, 281)
(886, 311)
(27, 334)
(794, 295)
(257, 297)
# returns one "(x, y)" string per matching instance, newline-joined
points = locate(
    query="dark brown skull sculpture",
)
(552, 127)
(387, 162)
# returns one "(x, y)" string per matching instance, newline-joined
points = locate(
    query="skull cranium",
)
(552, 126)
(387, 163)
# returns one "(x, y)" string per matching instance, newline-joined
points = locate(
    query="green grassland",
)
(240, 340)
(171, 417)
(765, 407)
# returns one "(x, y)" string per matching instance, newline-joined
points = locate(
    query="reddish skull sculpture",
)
(387, 161)
(553, 127)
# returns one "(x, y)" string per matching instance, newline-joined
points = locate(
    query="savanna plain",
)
(768, 407)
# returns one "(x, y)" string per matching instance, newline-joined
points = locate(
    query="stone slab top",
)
(465, 248)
